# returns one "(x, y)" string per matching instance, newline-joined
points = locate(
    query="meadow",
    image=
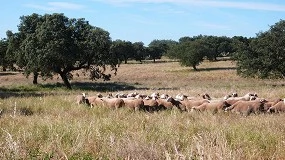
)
(44, 122)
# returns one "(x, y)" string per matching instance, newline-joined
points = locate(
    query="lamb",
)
(214, 107)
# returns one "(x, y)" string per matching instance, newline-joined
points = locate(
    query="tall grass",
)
(57, 128)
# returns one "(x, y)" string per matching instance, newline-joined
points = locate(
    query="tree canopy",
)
(263, 56)
(55, 44)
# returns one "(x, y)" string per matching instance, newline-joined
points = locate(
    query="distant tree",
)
(54, 44)
(139, 49)
(3, 49)
(220, 46)
(264, 56)
(156, 49)
(123, 49)
(190, 53)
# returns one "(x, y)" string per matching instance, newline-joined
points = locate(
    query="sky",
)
(148, 20)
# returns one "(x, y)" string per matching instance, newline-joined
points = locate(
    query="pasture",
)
(43, 121)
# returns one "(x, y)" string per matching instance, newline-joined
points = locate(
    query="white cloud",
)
(55, 6)
(207, 3)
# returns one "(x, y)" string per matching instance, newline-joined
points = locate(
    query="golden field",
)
(43, 121)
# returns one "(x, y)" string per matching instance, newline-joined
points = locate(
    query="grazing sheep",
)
(164, 96)
(154, 95)
(121, 95)
(176, 103)
(246, 97)
(81, 99)
(113, 103)
(180, 97)
(134, 104)
(94, 101)
(247, 107)
(150, 105)
(234, 94)
(195, 102)
(271, 102)
(278, 107)
(214, 107)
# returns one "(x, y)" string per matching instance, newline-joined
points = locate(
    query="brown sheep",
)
(278, 107)
(271, 102)
(247, 107)
(169, 103)
(113, 103)
(150, 105)
(177, 104)
(214, 107)
(94, 101)
(134, 104)
(81, 99)
(191, 103)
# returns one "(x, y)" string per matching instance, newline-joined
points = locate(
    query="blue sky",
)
(146, 20)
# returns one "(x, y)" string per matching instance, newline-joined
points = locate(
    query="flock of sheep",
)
(245, 105)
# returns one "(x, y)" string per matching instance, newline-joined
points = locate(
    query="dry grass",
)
(57, 128)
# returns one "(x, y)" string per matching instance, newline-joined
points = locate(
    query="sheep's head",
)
(99, 95)
(234, 94)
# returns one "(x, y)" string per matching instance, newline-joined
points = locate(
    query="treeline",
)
(55, 44)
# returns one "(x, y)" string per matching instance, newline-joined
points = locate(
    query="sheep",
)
(94, 101)
(113, 103)
(164, 96)
(247, 107)
(278, 107)
(271, 102)
(234, 94)
(164, 104)
(195, 102)
(154, 95)
(135, 104)
(121, 95)
(176, 103)
(246, 97)
(214, 107)
(81, 99)
(180, 97)
(150, 105)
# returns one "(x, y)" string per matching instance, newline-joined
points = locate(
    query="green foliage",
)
(190, 53)
(264, 56)
(3, 49)
(54, 43)
(139, 51)
(157, 48)
(123, 50)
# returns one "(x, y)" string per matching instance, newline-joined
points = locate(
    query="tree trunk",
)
(65, 80)
(194, 67)
(153, 60)
(4, 69)
(35, 78)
